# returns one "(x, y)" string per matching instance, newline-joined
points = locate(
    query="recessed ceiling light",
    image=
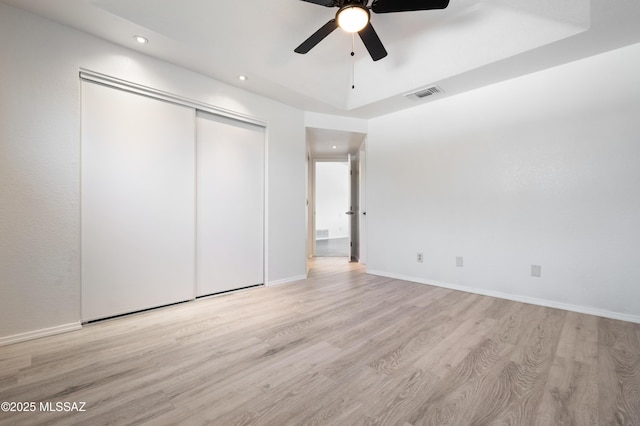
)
(334, 147)
(140, 39)
(243, 77)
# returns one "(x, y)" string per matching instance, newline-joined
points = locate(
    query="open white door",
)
(362, 222)
(353, 209)
(350, 212)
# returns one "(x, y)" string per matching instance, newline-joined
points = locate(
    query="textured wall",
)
(40, 172)
(542, 169)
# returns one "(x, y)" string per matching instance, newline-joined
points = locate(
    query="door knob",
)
(349, 213)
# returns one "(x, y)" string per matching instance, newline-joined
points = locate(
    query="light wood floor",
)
(341, 348)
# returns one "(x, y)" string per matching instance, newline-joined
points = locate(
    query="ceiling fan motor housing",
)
(353, 17)
(362, 14)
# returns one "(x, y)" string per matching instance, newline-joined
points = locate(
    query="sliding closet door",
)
(230, 210)
(138, 202)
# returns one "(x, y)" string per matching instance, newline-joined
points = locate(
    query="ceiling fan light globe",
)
(352, 18)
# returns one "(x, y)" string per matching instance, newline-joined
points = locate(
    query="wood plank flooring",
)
(340, 348)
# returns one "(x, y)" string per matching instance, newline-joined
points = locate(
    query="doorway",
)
(332, 202)
(336, 154)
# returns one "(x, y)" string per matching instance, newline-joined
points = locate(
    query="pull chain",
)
(353, 62)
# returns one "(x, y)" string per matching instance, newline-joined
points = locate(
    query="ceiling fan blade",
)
(388, 6)
(317, 37)
(372, 42)
(328, 3)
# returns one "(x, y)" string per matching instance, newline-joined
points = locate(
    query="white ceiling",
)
(468, 45)
(331, 144)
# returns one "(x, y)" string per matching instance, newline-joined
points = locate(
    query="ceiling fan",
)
(353, 16)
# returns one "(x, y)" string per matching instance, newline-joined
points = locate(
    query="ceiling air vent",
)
(424, 93)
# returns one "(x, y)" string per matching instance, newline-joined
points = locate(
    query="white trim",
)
(43, 332)
(195, 207)
(311, 199)
(332, 238)
(589, 310)
(286, 280)
(139, 89)
(265, 207)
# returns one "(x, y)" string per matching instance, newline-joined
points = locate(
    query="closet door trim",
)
(139, 89)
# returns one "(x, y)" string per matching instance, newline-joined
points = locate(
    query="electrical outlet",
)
(419, 257)
(536, 270)
(459, 261)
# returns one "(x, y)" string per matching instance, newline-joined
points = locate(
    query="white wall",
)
(335, 122)
(39, 164)
(543, 169)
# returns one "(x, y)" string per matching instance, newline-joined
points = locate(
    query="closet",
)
(172, 201)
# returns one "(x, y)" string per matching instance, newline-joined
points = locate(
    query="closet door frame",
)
(87, 75)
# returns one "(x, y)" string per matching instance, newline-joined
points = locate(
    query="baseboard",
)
(589, 310)
(43, 332)
(286, 280)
